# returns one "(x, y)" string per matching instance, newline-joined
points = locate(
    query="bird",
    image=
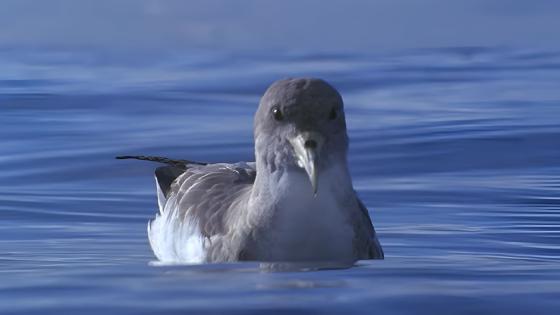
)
(294, 203)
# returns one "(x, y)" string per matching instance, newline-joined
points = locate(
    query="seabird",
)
(295, 203)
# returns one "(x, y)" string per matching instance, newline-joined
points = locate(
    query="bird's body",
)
(296, 203)
(307, 228)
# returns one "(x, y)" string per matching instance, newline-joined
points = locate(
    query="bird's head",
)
(300, 124)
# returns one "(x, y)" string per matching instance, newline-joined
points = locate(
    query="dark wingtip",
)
(166, 175)
(176, 163)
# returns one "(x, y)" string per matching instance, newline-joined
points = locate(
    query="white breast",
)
(307, 227)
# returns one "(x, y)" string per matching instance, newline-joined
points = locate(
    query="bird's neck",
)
(291, 182)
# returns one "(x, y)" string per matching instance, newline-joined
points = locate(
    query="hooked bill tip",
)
(307, 147)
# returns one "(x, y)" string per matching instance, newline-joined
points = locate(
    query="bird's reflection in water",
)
(304, 266)
(253, 266)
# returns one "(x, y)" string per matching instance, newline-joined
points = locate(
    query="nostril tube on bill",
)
(310, 144)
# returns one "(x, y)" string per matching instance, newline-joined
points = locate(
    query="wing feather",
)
(366, 244)
(197, 208)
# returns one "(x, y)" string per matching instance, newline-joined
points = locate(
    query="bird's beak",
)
(307, 147)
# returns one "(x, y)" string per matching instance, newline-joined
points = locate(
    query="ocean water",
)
(456, 153)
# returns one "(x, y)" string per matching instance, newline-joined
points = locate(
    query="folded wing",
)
(366, 244)
(196, 207)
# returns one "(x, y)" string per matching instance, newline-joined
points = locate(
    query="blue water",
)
(456, 152)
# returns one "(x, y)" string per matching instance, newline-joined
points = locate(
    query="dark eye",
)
(277, 113)
(333, 114)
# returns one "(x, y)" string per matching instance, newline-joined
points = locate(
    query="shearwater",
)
(295, 203)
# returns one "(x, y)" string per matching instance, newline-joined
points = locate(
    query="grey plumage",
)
(294, 203)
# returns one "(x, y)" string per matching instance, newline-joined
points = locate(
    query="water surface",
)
(456, 152)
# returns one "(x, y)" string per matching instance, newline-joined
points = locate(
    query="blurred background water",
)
(455, 151)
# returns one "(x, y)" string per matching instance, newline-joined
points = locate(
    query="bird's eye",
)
(333, 114)
(277, 113)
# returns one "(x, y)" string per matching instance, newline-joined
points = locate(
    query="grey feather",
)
(205, 194)
(366, 243)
